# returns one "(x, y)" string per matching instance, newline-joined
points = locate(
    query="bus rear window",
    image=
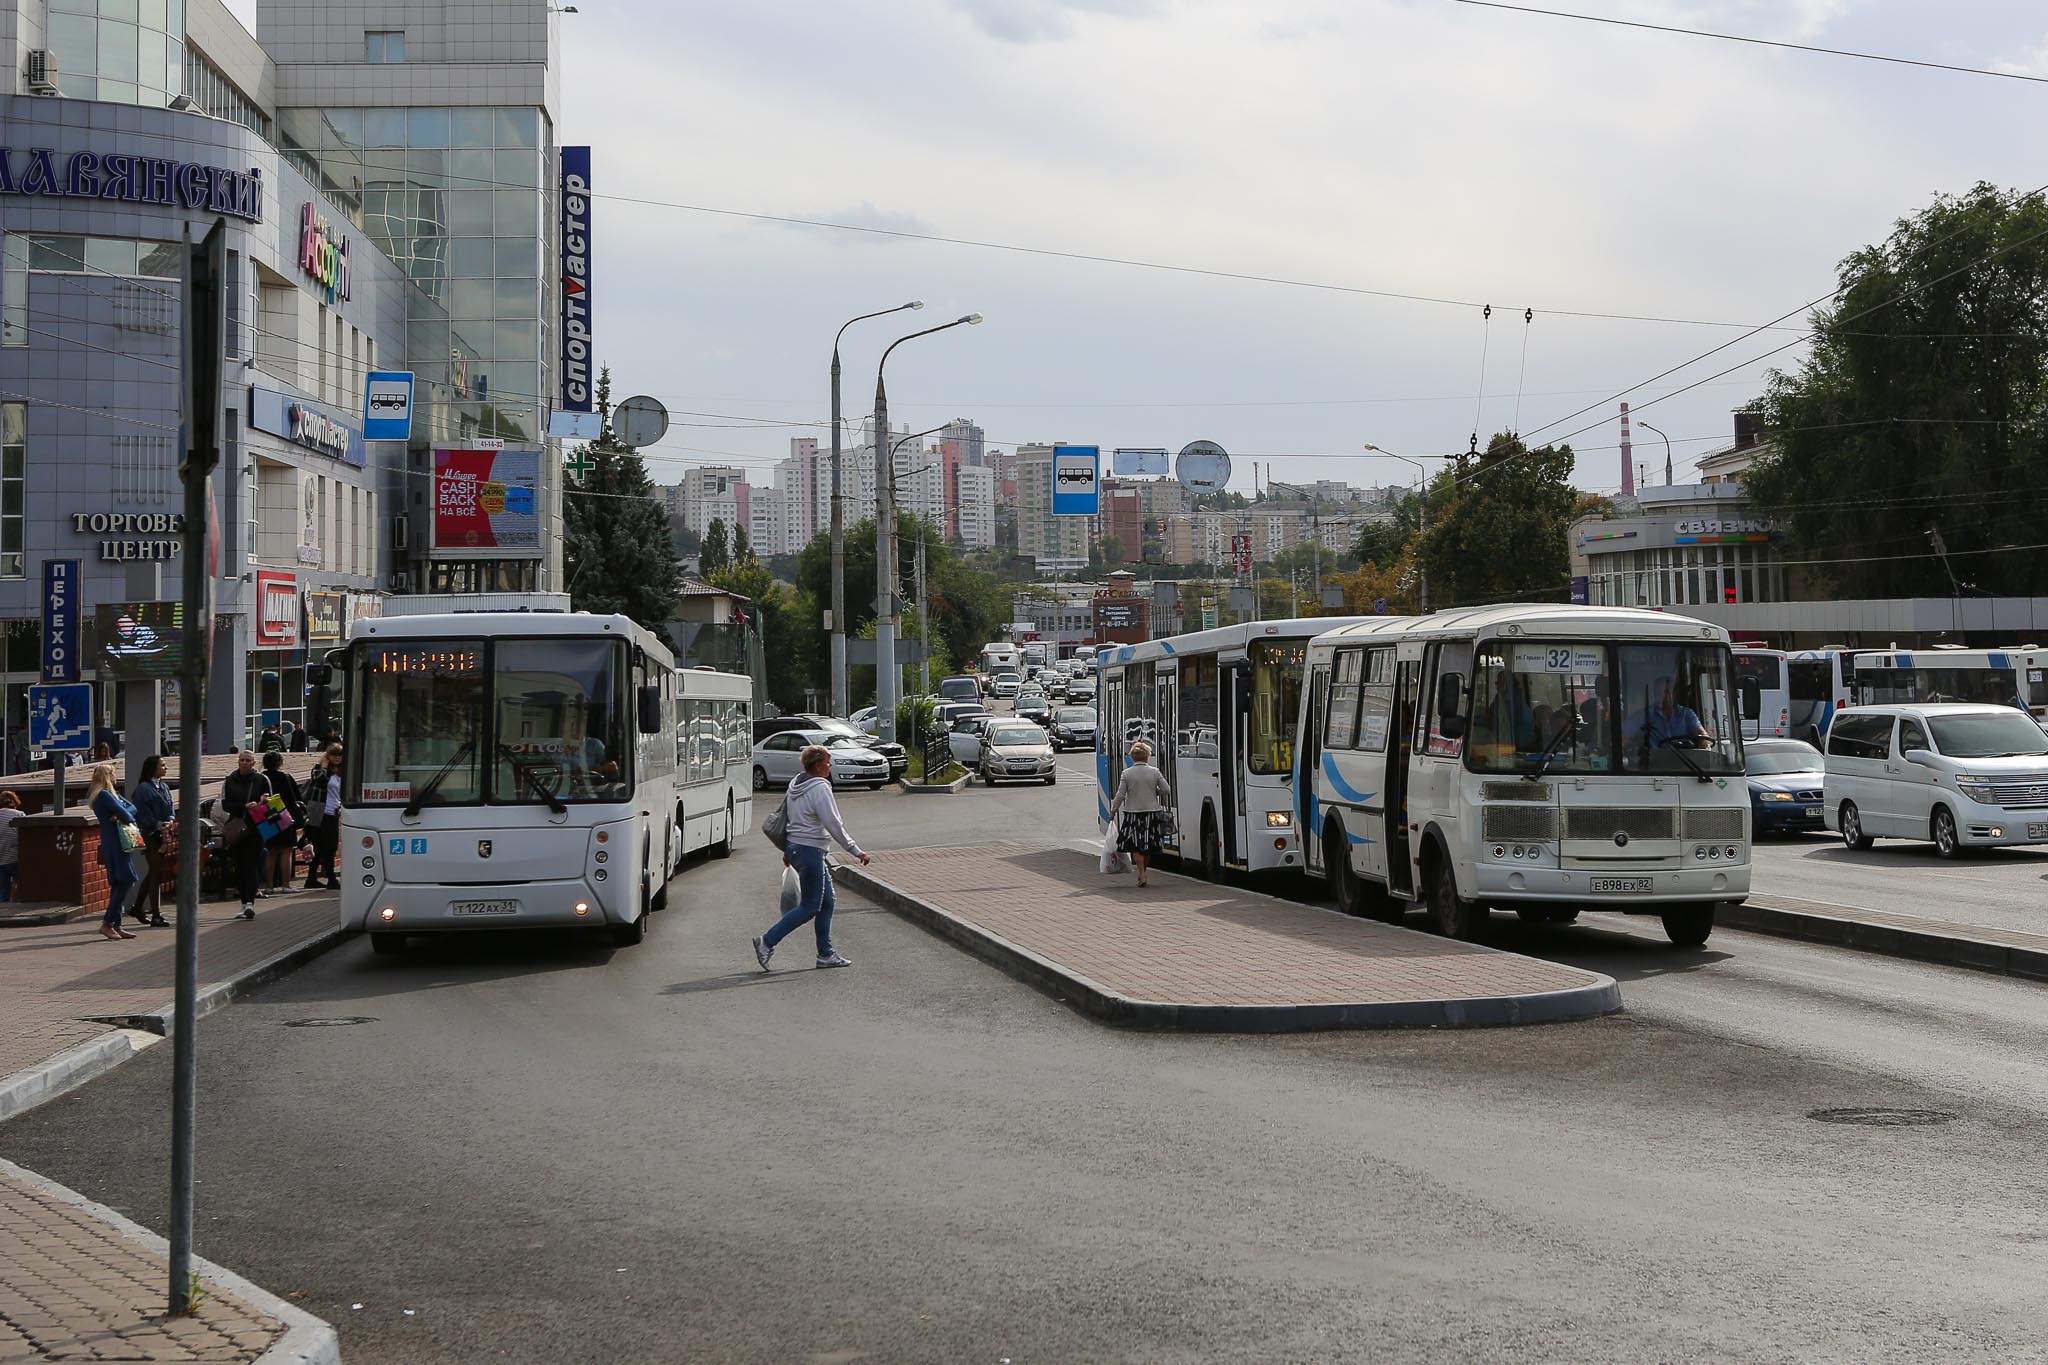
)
(1766, 670)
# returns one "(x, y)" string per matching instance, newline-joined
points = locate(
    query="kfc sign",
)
(277, 609)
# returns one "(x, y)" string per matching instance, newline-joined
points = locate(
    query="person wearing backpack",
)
(809, 821)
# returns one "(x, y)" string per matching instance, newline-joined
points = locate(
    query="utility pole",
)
(924, 623)
(205, 309)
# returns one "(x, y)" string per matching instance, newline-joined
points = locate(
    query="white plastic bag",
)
(792, 889)
(1112, 861)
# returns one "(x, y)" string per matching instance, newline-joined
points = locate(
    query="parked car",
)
(1034, 705)
(898, 756)
(1964, 775)
(779, 758)
(1072, 727)
(1016, 751)
(1786, 779)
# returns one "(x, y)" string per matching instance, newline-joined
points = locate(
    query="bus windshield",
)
(1276, 700)
(518, 722)
(1591, 707)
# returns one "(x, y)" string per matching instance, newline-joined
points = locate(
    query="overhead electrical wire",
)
(1755, 42)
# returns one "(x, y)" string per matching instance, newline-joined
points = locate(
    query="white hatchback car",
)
(1961, 775)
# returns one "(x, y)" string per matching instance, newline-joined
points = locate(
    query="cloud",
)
(2031, 63)
(1036, 21)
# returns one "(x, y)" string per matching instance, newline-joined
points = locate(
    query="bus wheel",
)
(723, 848)
(1212, 850)
(626, 935)
(1451, 914)
(387, 943)
(1688, 925)
(1344, 887)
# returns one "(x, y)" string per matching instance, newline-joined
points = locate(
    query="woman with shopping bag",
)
(1139, 812)
(120, 841)
(283, 829)
(809, 821)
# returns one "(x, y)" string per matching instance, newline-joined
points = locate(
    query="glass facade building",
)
(119, 51)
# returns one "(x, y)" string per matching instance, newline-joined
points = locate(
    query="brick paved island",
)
(1186, 954)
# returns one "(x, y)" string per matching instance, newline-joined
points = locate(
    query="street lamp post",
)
(1421, 569)
(1667, 449)
(840, 704)
(885, 543)
(923, 617)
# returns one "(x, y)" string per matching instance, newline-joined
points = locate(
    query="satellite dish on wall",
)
(640, 421)
(1203, 467)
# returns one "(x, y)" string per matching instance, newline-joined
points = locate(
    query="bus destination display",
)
(435, 660)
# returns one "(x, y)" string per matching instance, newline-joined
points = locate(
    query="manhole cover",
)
(338, 1021)
(1884, 1118)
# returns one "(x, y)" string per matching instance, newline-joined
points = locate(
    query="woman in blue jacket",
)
(113, 812)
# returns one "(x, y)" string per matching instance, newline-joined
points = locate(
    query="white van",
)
(1961, 775)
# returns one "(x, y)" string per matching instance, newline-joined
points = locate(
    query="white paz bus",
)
(527, 770)
(1219, 709)
(1545, 759)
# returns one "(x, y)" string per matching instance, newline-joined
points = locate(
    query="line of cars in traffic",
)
(1961, 776)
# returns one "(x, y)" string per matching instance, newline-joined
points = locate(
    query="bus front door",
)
(1168, 747)
(1230, 757)
(1400, 746)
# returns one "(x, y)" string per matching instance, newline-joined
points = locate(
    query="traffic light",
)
(1728, 595)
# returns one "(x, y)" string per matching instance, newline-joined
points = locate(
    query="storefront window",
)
(13, 489)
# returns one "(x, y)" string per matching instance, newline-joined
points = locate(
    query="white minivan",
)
(1963, 776)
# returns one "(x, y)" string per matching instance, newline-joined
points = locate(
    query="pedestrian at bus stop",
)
(238, 832)
(10, 843)
(282, 852)
(1138, 810)
(814, 822)
(114, 815)
(156, 815)
(323, 817)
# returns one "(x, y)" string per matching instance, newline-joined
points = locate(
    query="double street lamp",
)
(839, 697)
(885, 541)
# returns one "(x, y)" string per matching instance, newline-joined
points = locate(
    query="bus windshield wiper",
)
(1571, 728)
(1671, 742)
(531, 777)
(419, 799)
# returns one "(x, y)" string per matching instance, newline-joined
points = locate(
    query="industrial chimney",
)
(1628, 465)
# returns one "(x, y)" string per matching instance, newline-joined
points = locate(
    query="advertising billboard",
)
(1119, 615)
(277, 609)
(140, 640)
(487, 504)
(576, 384)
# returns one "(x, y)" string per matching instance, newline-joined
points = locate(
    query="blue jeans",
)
(814, 903)
(7, 871)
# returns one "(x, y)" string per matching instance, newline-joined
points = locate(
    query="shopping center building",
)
(388, 187)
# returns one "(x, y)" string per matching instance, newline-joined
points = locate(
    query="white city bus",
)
(2002, 677)
(508, 769)
(1218, 707)
(1545, 759)
(1821, 683)
(714, 760)
(1765, 670)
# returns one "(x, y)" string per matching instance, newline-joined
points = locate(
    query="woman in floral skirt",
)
(1139, 808)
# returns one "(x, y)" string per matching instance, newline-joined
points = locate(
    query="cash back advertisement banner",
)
(487, 503)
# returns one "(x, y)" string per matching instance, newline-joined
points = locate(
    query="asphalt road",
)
(549, 1150)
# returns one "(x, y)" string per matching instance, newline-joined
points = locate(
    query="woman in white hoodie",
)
(814, 821)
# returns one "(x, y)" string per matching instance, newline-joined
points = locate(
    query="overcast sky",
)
(1416, 146)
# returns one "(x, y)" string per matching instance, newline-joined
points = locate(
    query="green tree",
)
(716, 553)
(1382, 544)
(741, 550)
(1113, 551)
(616, 551)
(686, 541)
(791, 642)
(1918, 415)
(1497, 526)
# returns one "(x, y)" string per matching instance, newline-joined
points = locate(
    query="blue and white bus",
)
(2001, 677)
(1821, 682)
(1219, 709)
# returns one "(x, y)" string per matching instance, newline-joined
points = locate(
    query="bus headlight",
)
(1279, 819)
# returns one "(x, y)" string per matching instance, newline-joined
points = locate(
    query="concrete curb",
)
(1919, 945)
(306, 1341)
(1599, 996)
(934, 789)
(36, 919)
(24, 1090)
(73, 1067)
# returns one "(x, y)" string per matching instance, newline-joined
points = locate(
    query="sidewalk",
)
(1185, 954)
(83, 1283)
(67, 996)
(77, 1281)
(1984, 948)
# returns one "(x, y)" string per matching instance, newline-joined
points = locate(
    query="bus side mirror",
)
(319, 675)
(1752, 696)
(649, 700)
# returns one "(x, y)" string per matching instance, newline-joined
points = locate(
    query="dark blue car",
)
(1785, 778)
